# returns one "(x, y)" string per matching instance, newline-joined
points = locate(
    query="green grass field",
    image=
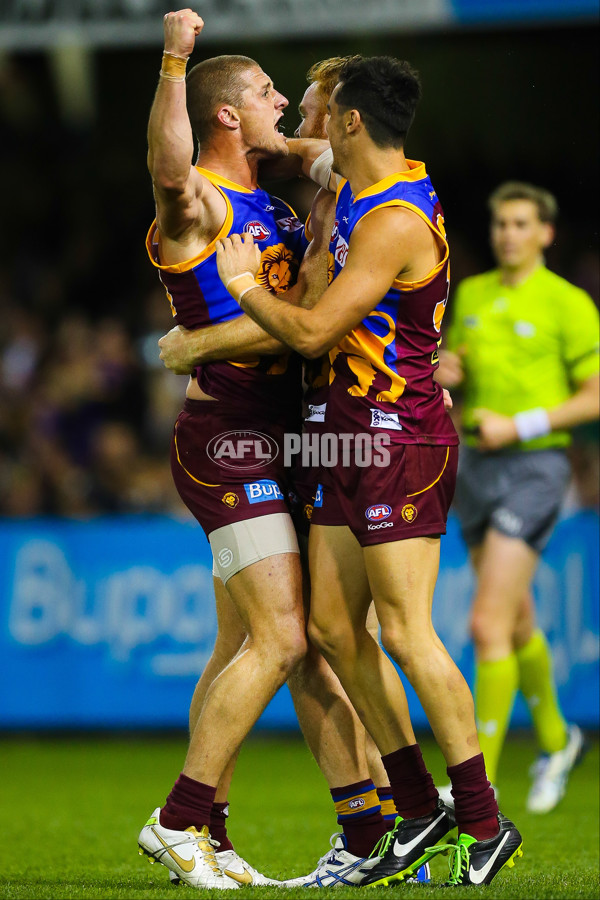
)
(73, 806)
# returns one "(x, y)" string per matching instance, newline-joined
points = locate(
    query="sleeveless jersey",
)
(198, 298)
(382, 370)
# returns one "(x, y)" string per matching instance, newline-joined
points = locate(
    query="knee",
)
(292, 648)
(333, 644)
(478, 627)
(411, 647)
(226, 647)
(487, 631)
(395, 642)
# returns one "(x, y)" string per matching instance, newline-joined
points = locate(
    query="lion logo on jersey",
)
(278, 269)
(370, 346)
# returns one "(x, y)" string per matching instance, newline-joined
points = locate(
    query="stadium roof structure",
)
(30, 25)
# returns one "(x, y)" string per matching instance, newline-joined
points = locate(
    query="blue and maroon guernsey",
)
(382, 371)
(198, 298)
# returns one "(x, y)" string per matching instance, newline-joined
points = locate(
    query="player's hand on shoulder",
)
(237, 255)
(181, 30)
(495, 431)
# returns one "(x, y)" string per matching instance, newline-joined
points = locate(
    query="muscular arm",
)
(239, 339)
(360, 285)
(302, 154)
(312, 277)
(177, 184)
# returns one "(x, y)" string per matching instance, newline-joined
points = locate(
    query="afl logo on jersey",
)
(258, 231)
(336, 231)
(378, 513)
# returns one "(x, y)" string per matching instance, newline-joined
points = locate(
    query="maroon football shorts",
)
(408, 498)
(226, 473)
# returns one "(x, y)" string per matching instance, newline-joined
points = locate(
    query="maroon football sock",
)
(218, 826)
(189, 803)
(412, 786)
(362, 834)
(475, 805)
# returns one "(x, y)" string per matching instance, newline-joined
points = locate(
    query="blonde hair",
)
(544, 201)
(326, 73)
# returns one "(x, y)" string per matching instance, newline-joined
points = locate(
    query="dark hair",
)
(544, 201)
(209, 84)
(385, 91)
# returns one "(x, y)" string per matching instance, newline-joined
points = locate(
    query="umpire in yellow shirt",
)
(523, 345)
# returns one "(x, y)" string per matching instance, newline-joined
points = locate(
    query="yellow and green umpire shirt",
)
(523, 347)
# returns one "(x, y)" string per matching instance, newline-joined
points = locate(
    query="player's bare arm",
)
(312, 277)
(303, 152)
(187, 213)
(361, 284)
(241, 339)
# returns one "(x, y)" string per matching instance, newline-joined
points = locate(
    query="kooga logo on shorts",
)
(378, 513)
(247, 450)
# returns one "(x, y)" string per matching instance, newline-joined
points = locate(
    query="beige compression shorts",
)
(240, 544)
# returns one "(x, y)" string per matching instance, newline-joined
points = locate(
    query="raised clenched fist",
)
(181, 30)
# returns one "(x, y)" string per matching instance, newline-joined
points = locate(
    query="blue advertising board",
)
(109, 623)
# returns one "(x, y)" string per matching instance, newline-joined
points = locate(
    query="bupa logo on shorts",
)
(318, 497)
(357, 803)
(258, 231)
(260, 491)
(291, 223)
(246, 450)
(381, 419)
(378, 512)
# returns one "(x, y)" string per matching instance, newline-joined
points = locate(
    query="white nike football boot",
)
(551, 772)
(190, 854)
(233, 866)
(338, 868)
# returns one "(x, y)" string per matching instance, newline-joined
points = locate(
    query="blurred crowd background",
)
(86, 408)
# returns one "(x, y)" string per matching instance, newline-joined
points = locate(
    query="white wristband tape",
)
(235, 278)
(245, 291)
(532, 423)
(321, 169)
